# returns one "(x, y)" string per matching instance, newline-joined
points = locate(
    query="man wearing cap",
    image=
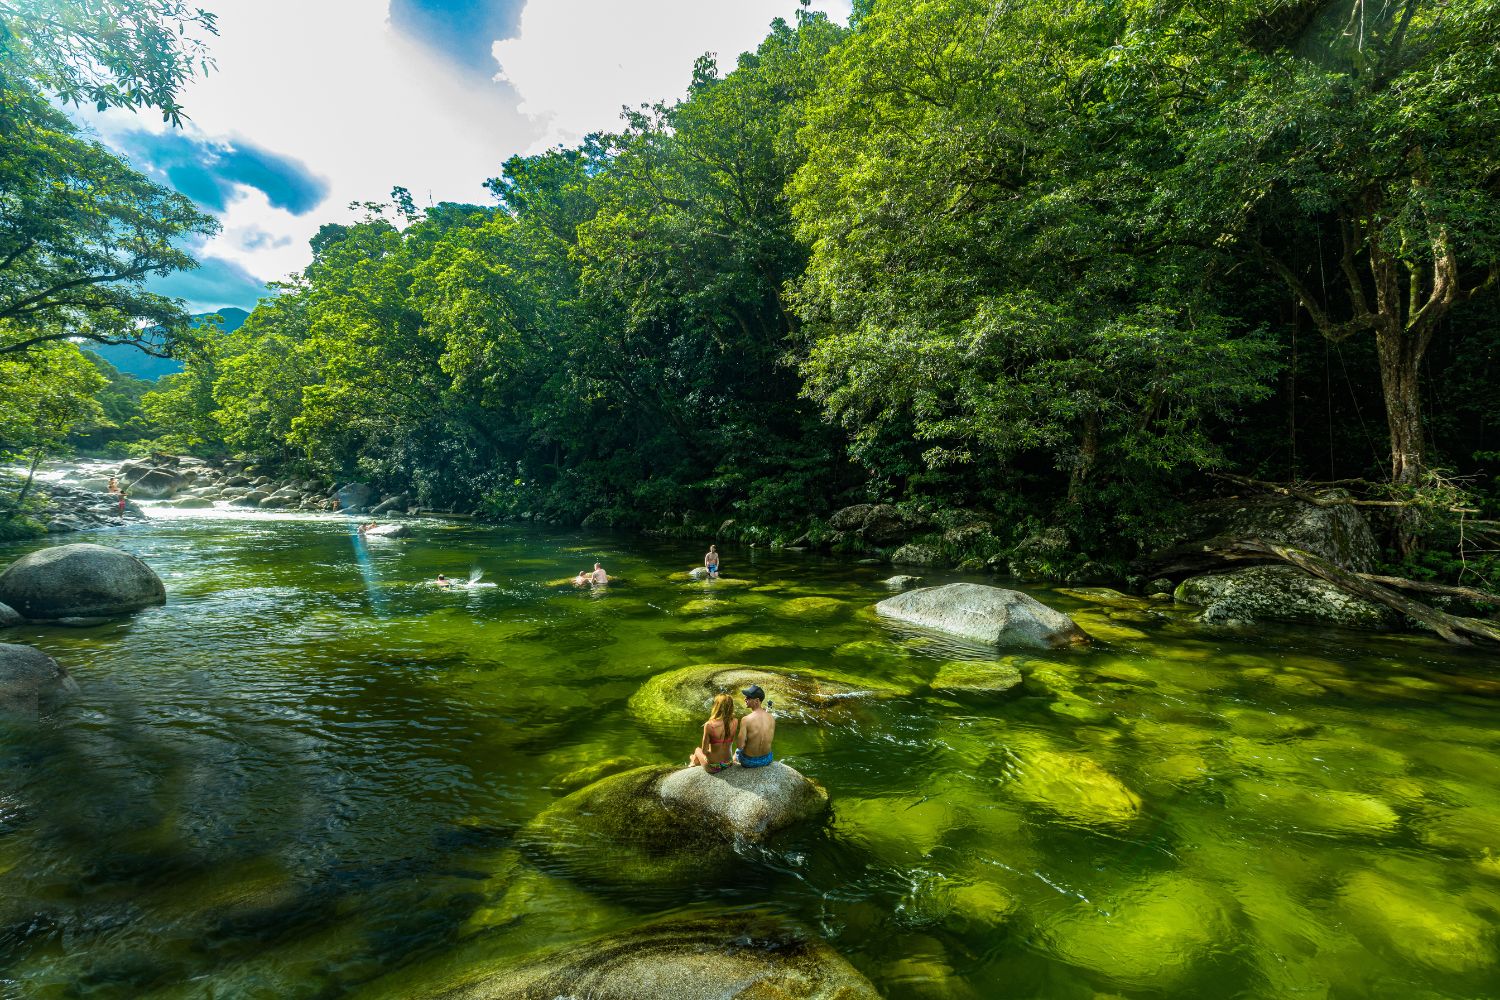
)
(757, 730)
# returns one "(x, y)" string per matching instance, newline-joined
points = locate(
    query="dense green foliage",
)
(81, 231)
(1047, 261)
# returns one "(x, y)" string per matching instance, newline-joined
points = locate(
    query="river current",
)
(305, 775)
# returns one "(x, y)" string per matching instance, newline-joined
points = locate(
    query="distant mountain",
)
(134, 361)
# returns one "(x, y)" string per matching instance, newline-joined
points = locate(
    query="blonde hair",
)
(723, 710)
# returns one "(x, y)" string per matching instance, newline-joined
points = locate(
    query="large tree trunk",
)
(1400, 360)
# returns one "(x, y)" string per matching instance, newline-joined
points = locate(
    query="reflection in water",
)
(311, 768)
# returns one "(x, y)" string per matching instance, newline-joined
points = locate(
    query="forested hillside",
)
(1066, 266)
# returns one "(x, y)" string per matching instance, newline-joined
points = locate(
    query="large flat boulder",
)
(387, 531)
(623, 830)
(677, 699)
(1280, 593)
(989, 615)
(30, 679)
(750, 802)
(79, 580)
(692, 956)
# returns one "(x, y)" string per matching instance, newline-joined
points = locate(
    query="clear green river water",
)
(307, 774)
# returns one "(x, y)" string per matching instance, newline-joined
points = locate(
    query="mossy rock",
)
(1107, 629)
(896, 829)
(1317, 810)
(1179, 770)
(590, 773)
(976, 678)
(678, 699)
(1150, 936)
(617, 830)
(1259, 724)
(1074, 706)
(1171, 735)
(713, 623)
(1105, 597)
(1417, 923)
(749, 643)
(810, 609)
(691, 956)
(704, 606)
(977, 908)
(1473, 830)
(1073, 787)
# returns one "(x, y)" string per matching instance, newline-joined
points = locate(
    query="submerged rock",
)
(682, 697)
(30, 680)
(1150, 935)
(897, 829)
(1280, 593)
(976, 677)
(694, 956)
(817, 609)
(79, 580)
(1467, 830)
(1074, 787)
(984, 614)
(1417, 923)
(1321, 810)
(749, 802)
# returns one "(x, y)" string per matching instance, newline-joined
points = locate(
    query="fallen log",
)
(1425, 587)
(1454, 628)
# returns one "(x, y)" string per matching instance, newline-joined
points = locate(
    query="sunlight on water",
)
(313, 769)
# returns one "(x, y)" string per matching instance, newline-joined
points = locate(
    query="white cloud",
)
(576, 62)
(331, 84)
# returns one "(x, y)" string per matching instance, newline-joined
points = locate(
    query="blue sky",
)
(319, 103)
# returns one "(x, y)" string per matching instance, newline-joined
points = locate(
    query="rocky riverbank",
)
(76, 493)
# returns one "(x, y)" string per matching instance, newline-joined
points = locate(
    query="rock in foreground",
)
(696, 956)
(79, 580)
(29, 679)
(989, 615)
(625, 830)
(748, 802)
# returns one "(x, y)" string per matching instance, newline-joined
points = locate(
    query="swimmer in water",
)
(366, 527)
(582, 579)
(599, 576)
(443, 581)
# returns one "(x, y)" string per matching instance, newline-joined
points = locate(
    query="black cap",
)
(754, 691)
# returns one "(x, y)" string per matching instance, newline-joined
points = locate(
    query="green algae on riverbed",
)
(311, 775)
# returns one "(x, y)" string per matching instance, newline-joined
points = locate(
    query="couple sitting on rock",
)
(750, 737)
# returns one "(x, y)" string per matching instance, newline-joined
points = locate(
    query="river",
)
(309, 768)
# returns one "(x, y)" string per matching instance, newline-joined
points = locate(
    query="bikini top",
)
(729, 736)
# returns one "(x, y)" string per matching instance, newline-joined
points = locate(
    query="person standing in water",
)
(599, 576)
(711, 562)
(757, 731)
(712, 752)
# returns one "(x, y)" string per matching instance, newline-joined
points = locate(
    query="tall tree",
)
(1348, 147)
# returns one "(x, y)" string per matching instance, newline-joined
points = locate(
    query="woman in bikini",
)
(713, 752)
